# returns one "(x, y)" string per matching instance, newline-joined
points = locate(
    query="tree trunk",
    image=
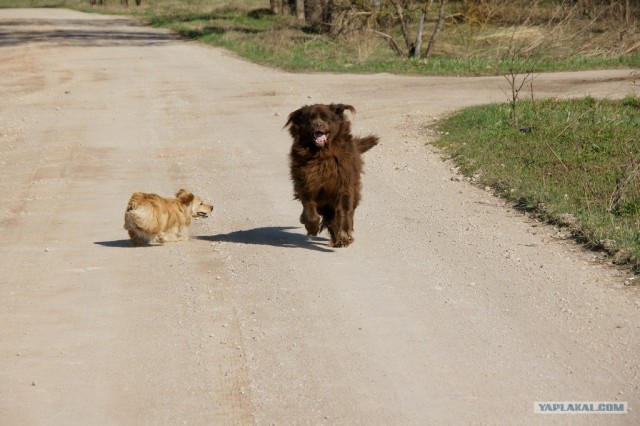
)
(423, 19)
(315, 12)
(288, 7)
(627, 13)
(434, 35)
(403, 25)
(276, 6)
(300, 9)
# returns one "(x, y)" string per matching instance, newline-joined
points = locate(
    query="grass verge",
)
(286, 43)
(248, 28)
(576, 163)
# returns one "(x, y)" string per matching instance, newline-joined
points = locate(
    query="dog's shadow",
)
(277, 236)
(115, 243)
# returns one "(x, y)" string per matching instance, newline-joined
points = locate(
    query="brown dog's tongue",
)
(321, 140)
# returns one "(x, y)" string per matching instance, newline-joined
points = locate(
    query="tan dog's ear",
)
(184, 196)
(339, 108)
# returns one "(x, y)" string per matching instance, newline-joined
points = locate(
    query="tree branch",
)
(403, 26)
(392, 43)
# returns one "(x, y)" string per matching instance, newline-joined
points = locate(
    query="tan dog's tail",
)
(366, 143)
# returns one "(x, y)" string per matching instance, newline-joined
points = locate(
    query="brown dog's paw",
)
(339, 243)
(312, 228)
(343, 240)
(311, 225)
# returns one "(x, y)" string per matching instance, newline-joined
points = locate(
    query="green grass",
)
(246, 27)
(286, 44)
(579, 166)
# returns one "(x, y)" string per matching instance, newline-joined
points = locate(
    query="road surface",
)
(450, 308)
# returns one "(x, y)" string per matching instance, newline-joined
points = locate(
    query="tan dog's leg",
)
(135, 239)
(171, 237)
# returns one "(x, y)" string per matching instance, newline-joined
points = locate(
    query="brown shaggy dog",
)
(151, 218)
(325, 169)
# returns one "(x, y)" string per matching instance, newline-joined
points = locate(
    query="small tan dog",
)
(151, 218)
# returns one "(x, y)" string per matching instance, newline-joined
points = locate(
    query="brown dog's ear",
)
(339, 108)
(293, 117)
(184, 196)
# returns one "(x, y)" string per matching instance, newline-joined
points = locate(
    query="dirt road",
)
(450, 308)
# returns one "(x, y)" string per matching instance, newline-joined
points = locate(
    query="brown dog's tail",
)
(366, 143)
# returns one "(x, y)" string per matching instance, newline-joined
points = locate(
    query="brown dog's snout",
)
(318, 125)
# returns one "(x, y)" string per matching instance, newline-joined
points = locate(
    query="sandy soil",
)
(450, 308)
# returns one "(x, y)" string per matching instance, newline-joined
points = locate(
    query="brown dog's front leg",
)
(342, 225)
(310, 218)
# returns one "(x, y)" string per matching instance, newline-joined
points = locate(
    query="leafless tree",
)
(436, 30)
(413, 45)
(288, 7)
